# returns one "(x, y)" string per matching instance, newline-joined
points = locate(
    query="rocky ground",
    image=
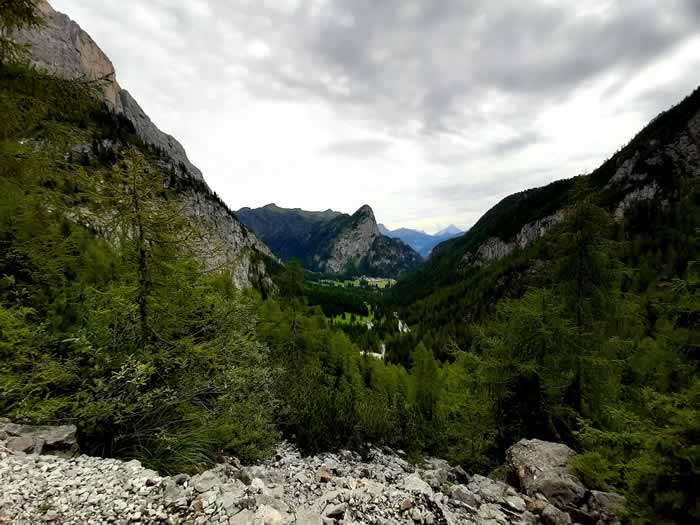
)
(341, 488)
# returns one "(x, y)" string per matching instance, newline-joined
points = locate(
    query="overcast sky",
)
(430, 111)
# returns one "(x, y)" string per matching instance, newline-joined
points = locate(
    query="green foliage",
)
(107, 317)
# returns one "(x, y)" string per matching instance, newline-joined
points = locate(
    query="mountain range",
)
(421, 241)
(331, 242)
(640, 187)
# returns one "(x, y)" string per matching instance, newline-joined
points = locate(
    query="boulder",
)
(266, 515)
(336, 511)
(207, 480)
(489, 489)
(20, 444)
(553, 516)
(606, 505)
(460, 475)
(245, 517)
(44, 439)
(461, 493)
(414, 483)
(537, 466)
(309, 517)
(324, 474)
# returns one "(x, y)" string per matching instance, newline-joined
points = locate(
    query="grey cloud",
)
(519, 142)
(480, 187)
(358, 148)
(425, 61)
(431, 61)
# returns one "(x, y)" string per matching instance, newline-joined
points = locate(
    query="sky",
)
(429, 111)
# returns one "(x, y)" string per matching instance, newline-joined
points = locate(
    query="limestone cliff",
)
(61, 48)
(353, 242)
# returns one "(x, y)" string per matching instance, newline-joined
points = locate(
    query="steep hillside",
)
(62, 49)
(646, 178)
(331, 242)
(421, 241)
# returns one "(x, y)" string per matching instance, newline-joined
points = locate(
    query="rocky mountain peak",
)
(365, 219)
(365, 211)
(63, 49)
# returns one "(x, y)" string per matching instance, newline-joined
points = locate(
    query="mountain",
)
(420, 241)
(450, 230)
(331, 242)
(640, 187)
(62, 49)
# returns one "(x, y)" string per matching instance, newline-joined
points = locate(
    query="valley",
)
(166, 359)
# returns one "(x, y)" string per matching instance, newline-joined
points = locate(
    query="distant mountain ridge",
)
(640, 186)
(421, 241)
(331, 242)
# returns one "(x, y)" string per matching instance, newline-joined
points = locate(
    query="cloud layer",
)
(429, 110)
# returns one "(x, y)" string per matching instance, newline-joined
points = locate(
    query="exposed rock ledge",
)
(62, 48)
(320, 490)
(494, 249)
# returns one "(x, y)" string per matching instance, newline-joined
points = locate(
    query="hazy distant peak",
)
(450, 230)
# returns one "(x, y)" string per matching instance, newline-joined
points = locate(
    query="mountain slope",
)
(62, 49)
(331, 242)
(420, 241)
(647, 176)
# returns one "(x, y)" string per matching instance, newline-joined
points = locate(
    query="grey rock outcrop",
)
(53, 440)
(495, 248)
(543, 467)
(63, 49)
(540, 469)
(353, 243)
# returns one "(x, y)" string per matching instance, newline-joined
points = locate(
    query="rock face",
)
(543, 467)
(331, 242)
(150, 133)
(232, 242)
(343, 488)
(495, 249)
(352, 243)
(541, 470)
(58, 441)
(63, 49)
